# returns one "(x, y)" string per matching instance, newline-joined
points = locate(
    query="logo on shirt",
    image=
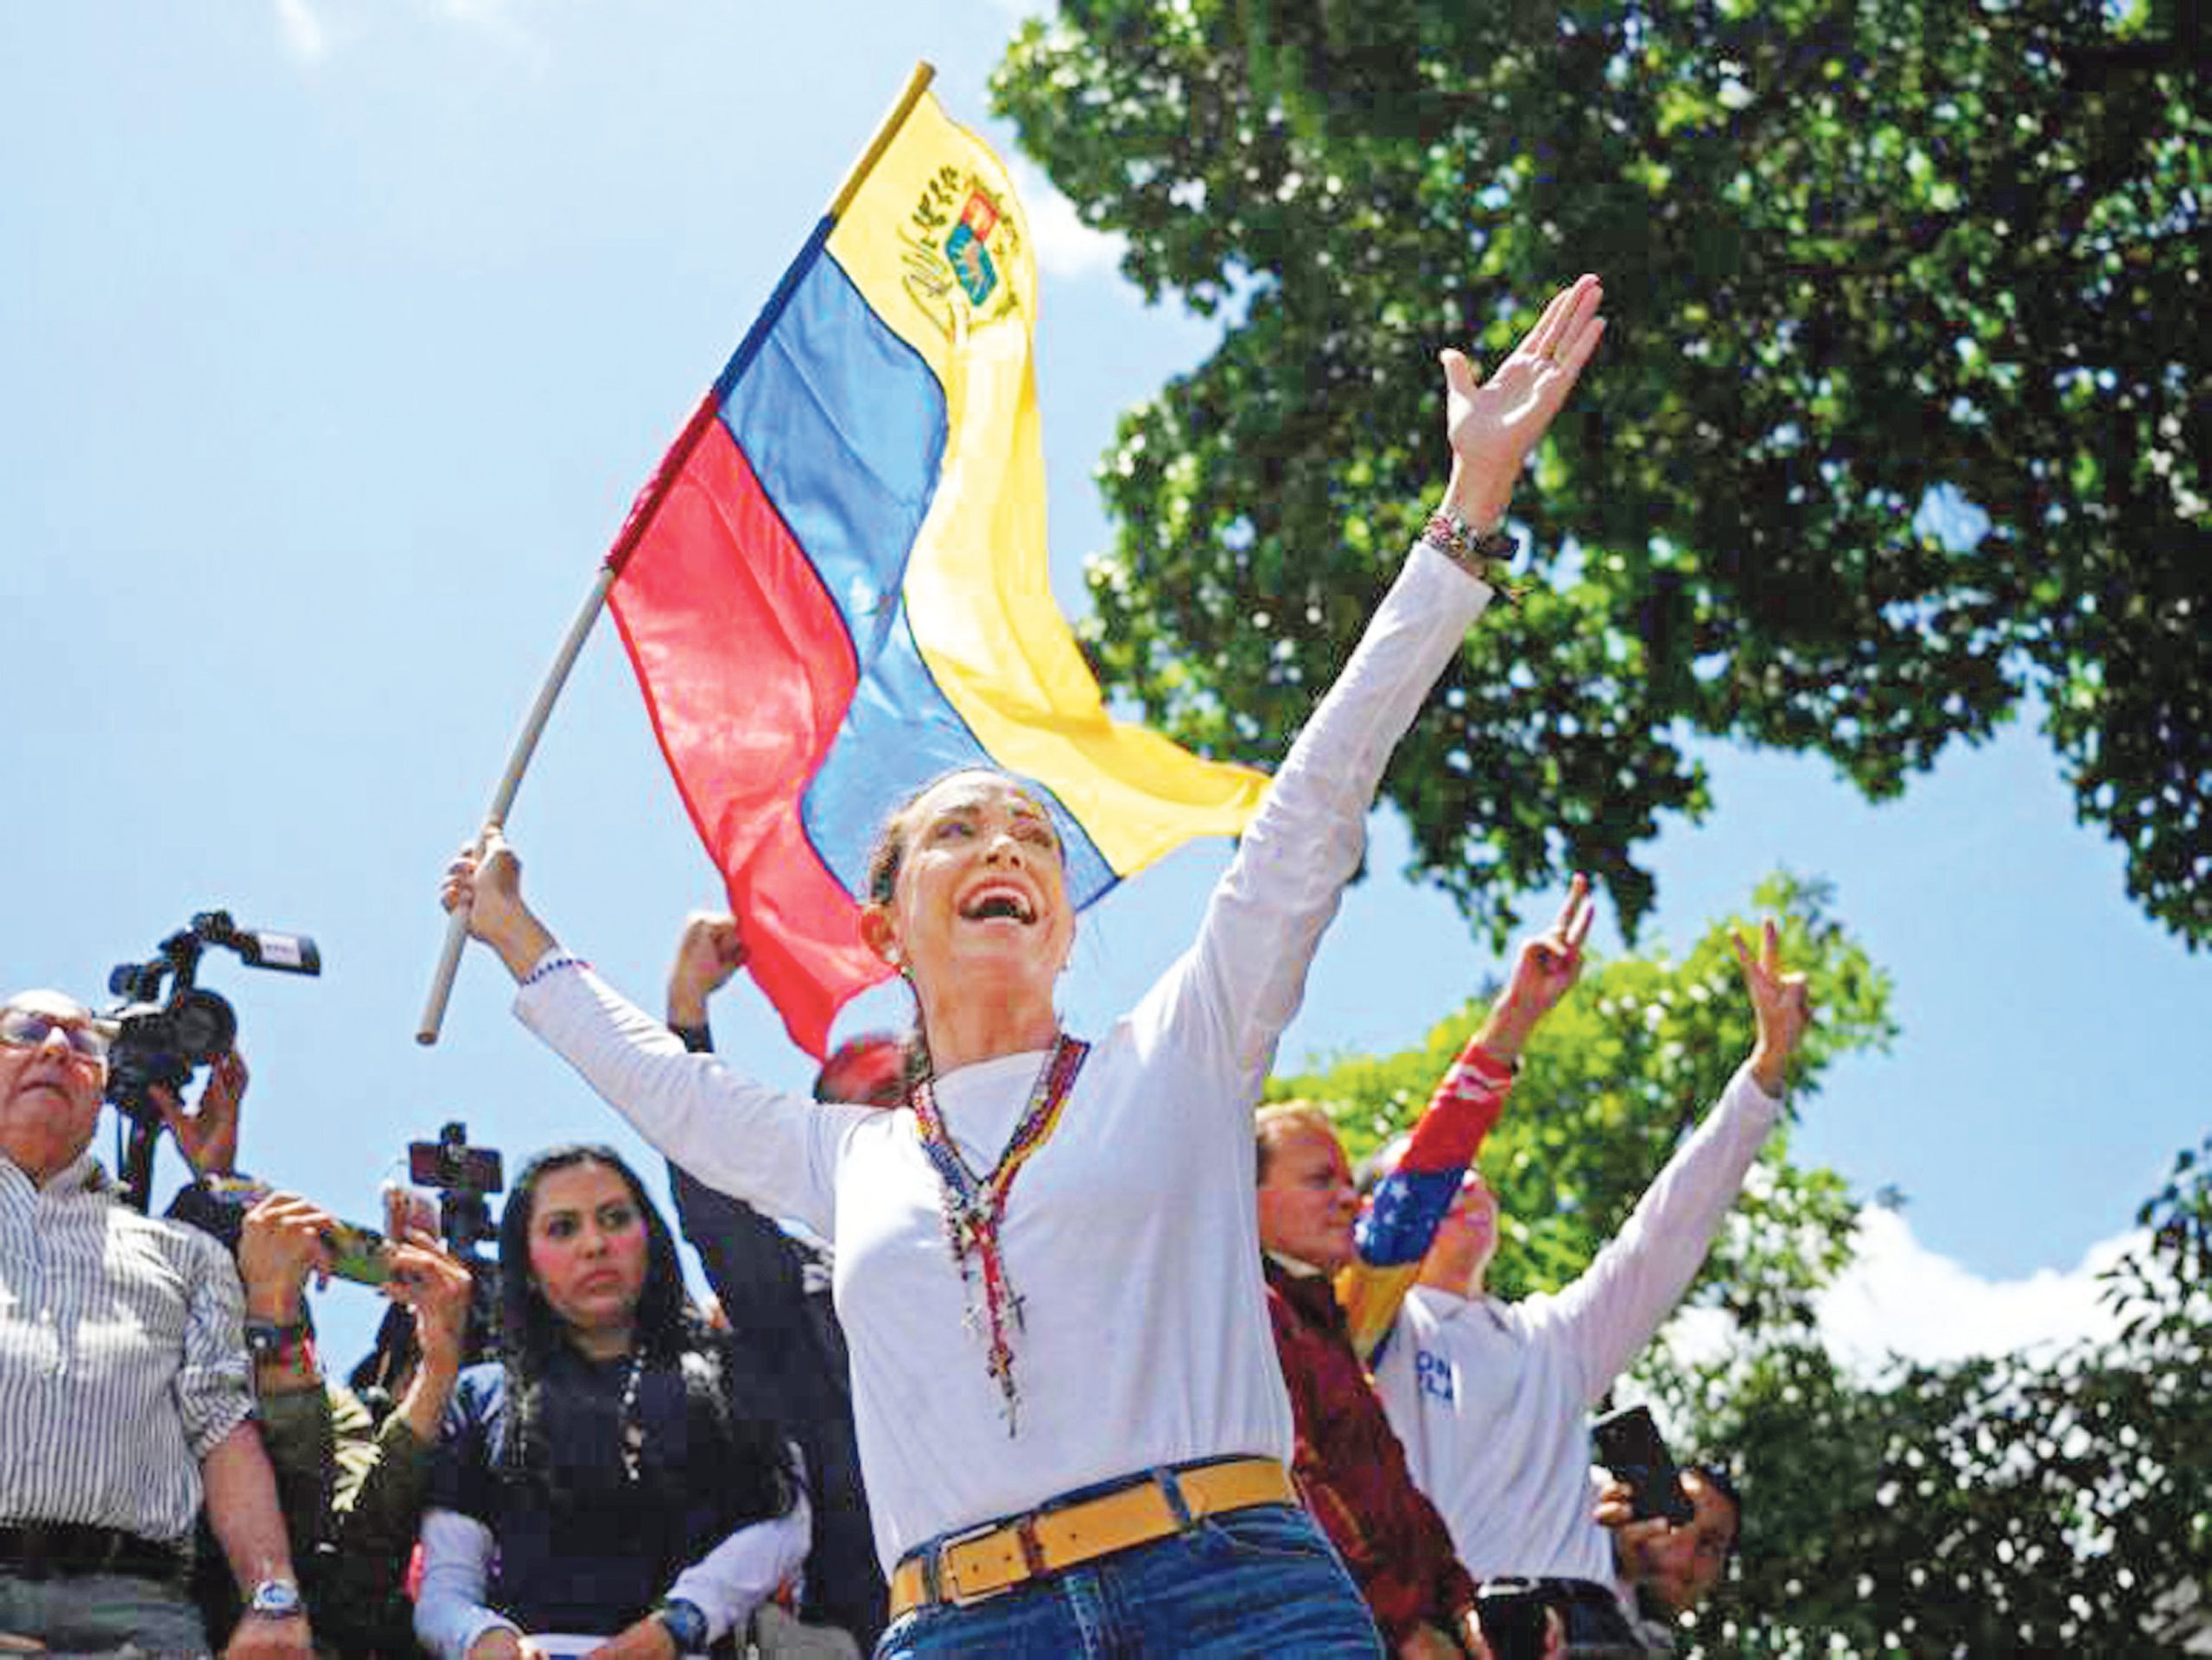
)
(1433, 1375)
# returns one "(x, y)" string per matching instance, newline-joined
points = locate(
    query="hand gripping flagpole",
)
(641, 516)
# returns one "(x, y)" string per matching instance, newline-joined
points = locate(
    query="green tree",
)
(2025, 1504)
(1611, 1084)
(1856, 253)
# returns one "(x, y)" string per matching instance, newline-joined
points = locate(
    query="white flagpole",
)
(533, 726)
(434, 1006)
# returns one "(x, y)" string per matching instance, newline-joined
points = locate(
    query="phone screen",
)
(358, 1254)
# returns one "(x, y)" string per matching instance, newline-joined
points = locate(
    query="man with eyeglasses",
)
(124, 1384)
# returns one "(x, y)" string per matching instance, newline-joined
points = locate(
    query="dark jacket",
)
(775, 1294)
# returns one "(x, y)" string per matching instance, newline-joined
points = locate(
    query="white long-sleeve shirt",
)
(1491, 1399)
(726, 1584)
(1132, 1236)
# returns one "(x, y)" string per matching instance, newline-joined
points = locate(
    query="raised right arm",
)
(759, 1144)
(771, 1149)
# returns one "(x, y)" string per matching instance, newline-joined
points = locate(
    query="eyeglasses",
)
(28, 1027)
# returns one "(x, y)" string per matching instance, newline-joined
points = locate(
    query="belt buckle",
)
(947, 1582)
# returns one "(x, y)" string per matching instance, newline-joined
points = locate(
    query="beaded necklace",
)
(973, 1206)
(632, 1444)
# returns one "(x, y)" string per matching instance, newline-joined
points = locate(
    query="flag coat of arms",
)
(834, 586)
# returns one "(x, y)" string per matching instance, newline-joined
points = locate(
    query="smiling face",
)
(977, 895)
(1307, 1205)
(49, 1090)
(588, 1252)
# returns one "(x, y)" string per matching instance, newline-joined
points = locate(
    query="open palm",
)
(1492, 425)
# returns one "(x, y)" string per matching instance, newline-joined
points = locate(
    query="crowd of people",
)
(1021, 1341)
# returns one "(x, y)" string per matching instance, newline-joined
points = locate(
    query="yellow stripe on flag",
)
(935, 240)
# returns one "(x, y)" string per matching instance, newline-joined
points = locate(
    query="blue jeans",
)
(103, 1614)
(1259, 1582)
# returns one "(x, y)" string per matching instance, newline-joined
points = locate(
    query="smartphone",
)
(359, 1254)
(242, 1193)
(452, 1163)
(1629, 1445)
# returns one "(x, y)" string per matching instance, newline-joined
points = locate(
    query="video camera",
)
(163, 1040)
(462, 1175)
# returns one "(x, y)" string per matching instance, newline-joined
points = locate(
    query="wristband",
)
(1489, 1069)
(265, 1339)
(550, 964)
(1479, 1075)
(1481, 554)
(287, 1350)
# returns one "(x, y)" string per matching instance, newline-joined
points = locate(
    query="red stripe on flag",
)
(748, 670)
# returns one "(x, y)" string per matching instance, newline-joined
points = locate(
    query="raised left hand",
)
(431, 1281)
(208, 1135)
(1493, 424)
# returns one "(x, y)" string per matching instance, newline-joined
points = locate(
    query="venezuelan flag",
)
(834, 586)
(1408, 1204)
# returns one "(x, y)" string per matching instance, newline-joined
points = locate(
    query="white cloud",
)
(1900, 1298)
(1065, 245)
(304, 33)
(1897, 1296)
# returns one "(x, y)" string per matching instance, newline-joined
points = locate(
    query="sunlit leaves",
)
(2036, 1503)
(1854, 254)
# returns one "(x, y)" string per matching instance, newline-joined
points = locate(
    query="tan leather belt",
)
(965, 1567)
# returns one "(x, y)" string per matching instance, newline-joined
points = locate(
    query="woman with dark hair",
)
(607, 1482)
(1071, 1422)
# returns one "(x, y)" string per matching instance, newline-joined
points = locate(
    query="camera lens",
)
(201, 1025)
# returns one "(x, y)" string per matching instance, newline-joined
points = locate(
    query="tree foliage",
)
(1861, 258)
(1614, 1080)
(2026, 1504)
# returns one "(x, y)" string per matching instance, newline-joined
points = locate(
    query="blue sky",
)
(338, 335)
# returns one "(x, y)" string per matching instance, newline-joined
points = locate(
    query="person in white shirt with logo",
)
(1492, 1399)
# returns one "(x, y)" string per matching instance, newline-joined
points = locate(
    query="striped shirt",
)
(122, 1357)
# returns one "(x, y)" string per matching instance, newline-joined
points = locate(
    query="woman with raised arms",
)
(1071, 1423)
